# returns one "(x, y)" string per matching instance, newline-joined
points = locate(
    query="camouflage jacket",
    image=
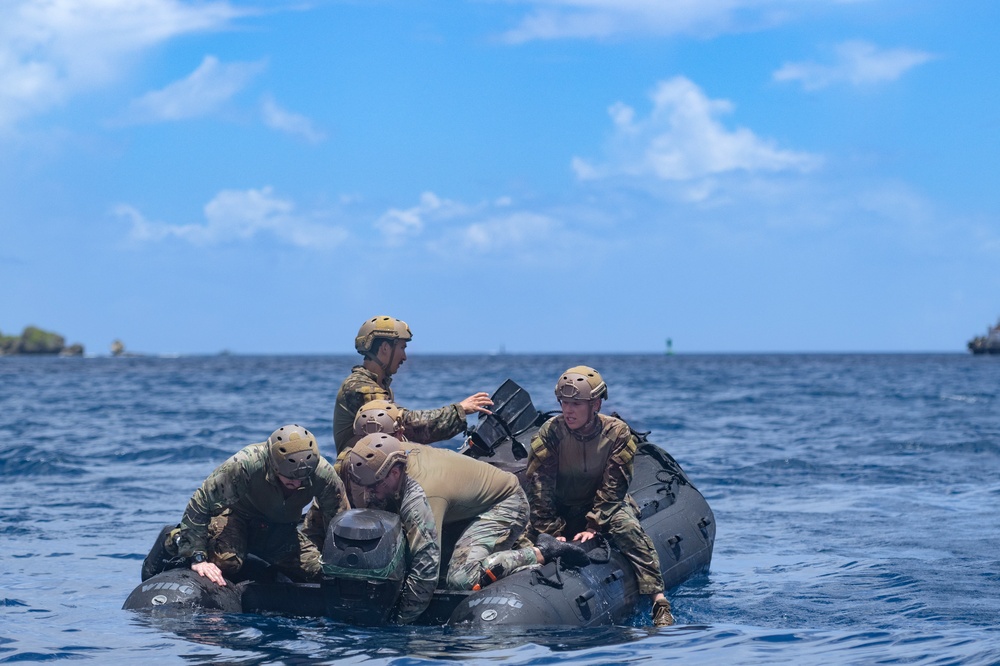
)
(423, 426)
(566, 472)
(424, 543)
(246, 484)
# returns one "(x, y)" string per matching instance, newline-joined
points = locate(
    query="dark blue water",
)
(857, 501)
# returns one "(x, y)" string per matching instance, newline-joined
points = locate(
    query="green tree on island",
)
(34, 340)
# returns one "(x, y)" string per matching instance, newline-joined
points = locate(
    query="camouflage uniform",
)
(420, 425)
(443, 487)
(575, 483)
(487, 544)
(243, 508)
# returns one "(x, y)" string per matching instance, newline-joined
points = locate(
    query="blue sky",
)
(537, 175)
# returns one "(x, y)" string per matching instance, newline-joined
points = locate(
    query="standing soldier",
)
(382, 342)
(430, 488)
(579, 469)
(252, 503)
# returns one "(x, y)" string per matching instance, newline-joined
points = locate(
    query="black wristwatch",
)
(198, 558)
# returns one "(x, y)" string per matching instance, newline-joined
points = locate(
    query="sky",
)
(531, 176)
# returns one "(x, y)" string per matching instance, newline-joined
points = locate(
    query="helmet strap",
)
(374, 360)
(398, 482)
(392, 354)
(590, 427)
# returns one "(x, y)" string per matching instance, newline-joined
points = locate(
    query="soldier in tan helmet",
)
(430, 488)
(579, 469)
(377, 416)
(382, 342)
(252, 503)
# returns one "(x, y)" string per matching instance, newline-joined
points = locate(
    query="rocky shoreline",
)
(34, 341)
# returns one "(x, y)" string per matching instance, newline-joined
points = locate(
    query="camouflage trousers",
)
(232, 536)
(486, 542)
(625, 532)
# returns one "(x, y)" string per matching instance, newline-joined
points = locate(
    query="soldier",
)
(252, 503)
(430, 488)
(579, 469)
(382, 342)
(373, 417)
(379, 416)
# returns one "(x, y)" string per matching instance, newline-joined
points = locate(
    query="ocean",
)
(856, 499)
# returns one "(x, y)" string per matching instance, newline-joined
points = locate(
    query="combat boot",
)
(570, 554)
(662, 617)
(488, 576)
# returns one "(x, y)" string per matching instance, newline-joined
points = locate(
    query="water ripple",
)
(855, 498)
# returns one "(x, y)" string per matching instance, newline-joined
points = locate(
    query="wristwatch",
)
(198, 557)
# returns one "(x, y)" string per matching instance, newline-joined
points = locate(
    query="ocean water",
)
(857, 500)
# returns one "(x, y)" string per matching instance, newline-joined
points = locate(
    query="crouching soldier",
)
(252, 503)
(430, 488)
(579, 469)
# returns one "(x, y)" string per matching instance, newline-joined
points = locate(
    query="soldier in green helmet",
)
(382, 342)
(251, 504)
(430, 488)
(579, 469)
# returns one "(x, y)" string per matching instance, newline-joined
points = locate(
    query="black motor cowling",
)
(364, 566)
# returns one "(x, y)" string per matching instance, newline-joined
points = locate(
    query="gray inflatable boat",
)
(364, 553)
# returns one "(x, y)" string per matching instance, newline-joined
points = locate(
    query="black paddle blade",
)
(513, 413)
(512, 405)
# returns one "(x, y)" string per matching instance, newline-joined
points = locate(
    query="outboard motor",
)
(364, 566)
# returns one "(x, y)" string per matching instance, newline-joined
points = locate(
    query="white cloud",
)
(856, 63)
(601, 19)
(513, 230)
(203, 92)
(53, 49)
(682, 140)
(397, 224)
(895, 201)
(235, 215)
(443, 226)
(279, 119)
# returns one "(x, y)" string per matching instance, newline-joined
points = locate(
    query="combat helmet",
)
(581, 383)
(372, 457)
(293, 451)
(378, 416)
(383, 327)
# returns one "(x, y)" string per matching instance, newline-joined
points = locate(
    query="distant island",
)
(35, 341)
